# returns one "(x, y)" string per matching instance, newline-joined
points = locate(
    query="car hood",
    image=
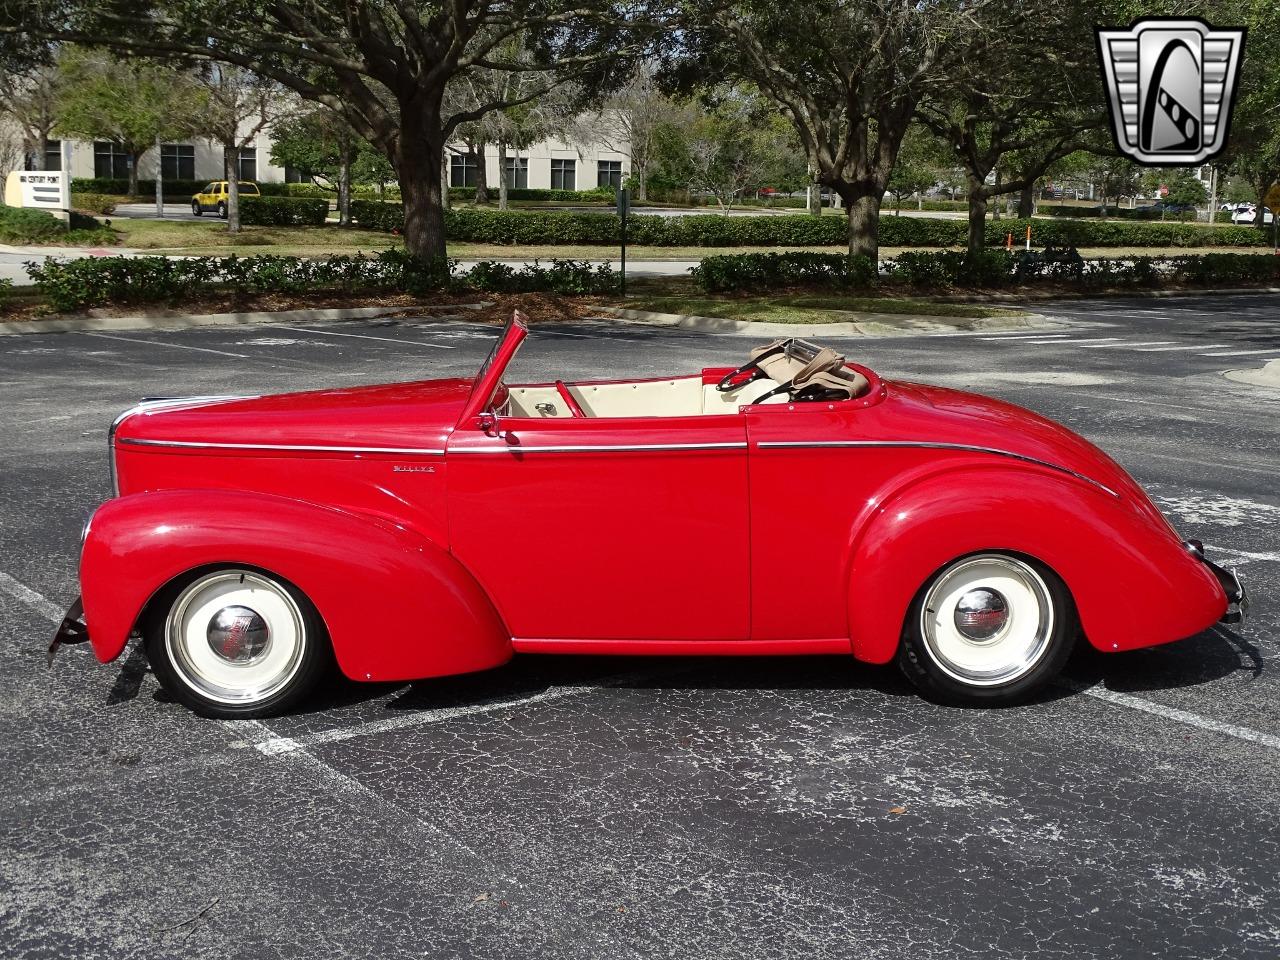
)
(917, 412)
(417, 415)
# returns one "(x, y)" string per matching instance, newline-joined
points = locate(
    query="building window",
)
(110, 162)
(564, 175)
(464, 170)
(53, 154)
(609, 173)
(247, 168)
(177, 161)
(518, 173)
(294, 175)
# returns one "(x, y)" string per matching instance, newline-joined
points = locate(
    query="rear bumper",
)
(1229, 580)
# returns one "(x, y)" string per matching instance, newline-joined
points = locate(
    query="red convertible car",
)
(796, 505)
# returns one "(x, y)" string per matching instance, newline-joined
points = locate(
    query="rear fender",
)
(397, 606)
(1133, 583)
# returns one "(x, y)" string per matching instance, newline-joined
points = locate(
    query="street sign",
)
(34, 188)
(1273, 199)
(624, 207)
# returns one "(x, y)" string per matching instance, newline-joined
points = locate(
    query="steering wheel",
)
(567, 397)
(727, 381)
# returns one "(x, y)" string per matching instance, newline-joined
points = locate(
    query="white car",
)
(1247, 215)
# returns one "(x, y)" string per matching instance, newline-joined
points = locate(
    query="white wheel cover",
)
(1016, 648)
(219, 679)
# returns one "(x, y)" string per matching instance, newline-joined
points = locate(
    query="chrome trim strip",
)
(147, 404)
(932, 445)
(294, 447)
(603, 448)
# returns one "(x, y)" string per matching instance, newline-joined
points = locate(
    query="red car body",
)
(435, 536)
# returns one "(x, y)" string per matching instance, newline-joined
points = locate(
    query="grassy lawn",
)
(798, 308)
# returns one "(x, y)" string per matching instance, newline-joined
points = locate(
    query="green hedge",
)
(993, 268)
(174, 190)
(532, 228)
(100, 203)
(94, 281)
(595, 195)
(22, 225)
(283, 211)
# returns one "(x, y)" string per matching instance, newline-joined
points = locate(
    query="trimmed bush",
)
(283, 211)
(994, 268)
(99, 203)
(765, 271)
(22, 225)
(594, 195)
(311, 191)
(94, 281)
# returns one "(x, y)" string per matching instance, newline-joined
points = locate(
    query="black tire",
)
(222, 210)
(196, 209)
(1033, 662)
(176, 668)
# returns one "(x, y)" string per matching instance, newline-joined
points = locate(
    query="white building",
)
(549, 164)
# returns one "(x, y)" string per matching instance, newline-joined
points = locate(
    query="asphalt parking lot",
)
(593, 807)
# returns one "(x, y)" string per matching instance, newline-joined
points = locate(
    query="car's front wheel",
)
(989, 629)
(195, 208)
(236, 643)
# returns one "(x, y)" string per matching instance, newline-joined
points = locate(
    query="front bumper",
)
(72, 630)
(1237, 599)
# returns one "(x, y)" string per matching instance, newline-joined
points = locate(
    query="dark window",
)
(177, 161)
(247, 169)
(609, 173)
(53, 154)
(464, 170)
(294, 175)
(518, 173)
(564, 175)
(110, 161)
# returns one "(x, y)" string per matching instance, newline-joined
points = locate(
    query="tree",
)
(27, 99)
(1007, 123)
(630, 119)
(1116, 177)
(385, 65)
(1253, 145)
(734, 145)
(1185, 190)
(322, 143)
(132, 104)
(237, 107)
(917, 166)
(849, 74)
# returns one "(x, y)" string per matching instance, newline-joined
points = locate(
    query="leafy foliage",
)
(95, 281)
(21, 225)
(768, 271)
(283, 211)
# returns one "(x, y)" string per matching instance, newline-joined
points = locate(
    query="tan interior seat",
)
(678, 397)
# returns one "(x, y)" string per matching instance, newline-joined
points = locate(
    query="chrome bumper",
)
(1237, 598)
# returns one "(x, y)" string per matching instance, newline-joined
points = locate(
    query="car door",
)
(606, 528)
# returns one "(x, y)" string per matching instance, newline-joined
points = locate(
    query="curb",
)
(875, 324)
(74, 324)
(1100, 295)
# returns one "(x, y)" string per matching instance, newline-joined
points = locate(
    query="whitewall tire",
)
(988, 628)
(235, 642)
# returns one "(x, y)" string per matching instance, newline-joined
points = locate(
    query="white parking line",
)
(1103, 346)
(1028, 336)
(274, 745)
(165, 343)
(1185, 346)
(604, 334)
(365, 336)
(1072, 340)
(1244, 353)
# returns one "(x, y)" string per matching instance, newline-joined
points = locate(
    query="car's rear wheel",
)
(222, 210)
(991, 628)
(195, 208)
(236, 643)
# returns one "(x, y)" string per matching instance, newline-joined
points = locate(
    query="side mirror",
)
(488, 422)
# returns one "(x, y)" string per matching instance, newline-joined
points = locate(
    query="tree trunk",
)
(919, 200)
(344, 190)
(640, 171)
(977, 215)
(32, 154)
(159, 179)
(482, 172)
(420, 166)
(131, 158)
(995, 207)
(504, 184)
(231, 170)
(863, 212)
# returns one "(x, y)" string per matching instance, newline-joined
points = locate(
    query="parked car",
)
(798, 504)
(1249, 215)
(214, 197)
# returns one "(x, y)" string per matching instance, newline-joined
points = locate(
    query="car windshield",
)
(208, 188)
(485, 385)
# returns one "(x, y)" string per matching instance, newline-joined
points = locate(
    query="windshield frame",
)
(489, 377)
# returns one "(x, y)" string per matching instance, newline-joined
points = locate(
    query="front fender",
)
(1133, 582)
(397, 607)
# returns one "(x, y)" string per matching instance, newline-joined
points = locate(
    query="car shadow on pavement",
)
(1204, 658)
